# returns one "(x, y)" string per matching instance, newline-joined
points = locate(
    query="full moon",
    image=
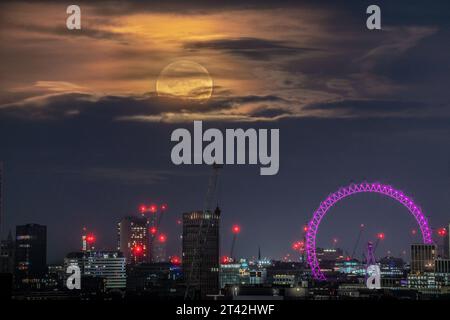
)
(185, 79)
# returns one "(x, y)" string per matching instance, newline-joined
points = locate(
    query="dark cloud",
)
(378, 108)
(251, 48)
(86, 105)
(92, 31)
(125, 176)
(270, 112)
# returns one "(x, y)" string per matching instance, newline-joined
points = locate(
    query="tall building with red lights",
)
(30, 252)
(87, 241)
(201, 252)
(133, 239)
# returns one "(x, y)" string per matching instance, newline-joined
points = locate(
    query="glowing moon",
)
(185, 79)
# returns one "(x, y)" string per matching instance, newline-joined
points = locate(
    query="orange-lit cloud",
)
(292, 53)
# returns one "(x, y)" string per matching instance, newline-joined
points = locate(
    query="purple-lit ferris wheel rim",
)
(344, 192)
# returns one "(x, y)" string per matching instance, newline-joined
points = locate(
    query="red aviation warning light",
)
(298, 246)
(305, 228)
(236, 229)
(153, 230)
(162, 238)
(381, 236)
(153, 208)
(90, 238)
(442, 232)
(164, 207)
(225, 260)
(138, 250)
(175, 260)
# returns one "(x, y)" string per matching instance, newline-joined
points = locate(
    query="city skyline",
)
(144, 230)
(85, 138)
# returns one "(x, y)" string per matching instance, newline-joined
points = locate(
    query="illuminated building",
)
(31, 251)
(257, 276)
(285, 273)
(230, 274)
(350, 267)
(87, 242)
(133, 239)
(288, 280)
(442, 266)
(107, 265)
(329, 254)
(201, 251)
(391, 267)
(428, 280)
(241, 273)
(423, 257)
(56, 274)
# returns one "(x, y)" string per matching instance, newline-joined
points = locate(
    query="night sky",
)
(85, 139)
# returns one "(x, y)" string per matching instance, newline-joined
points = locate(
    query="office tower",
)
(87, 241)
(7, 255)
(159, 251)
(31, 251)
(423, 257)
(201, 252)
(442, 266)
(107, 265)
(133, 239)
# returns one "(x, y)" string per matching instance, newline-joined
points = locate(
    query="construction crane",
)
(154, 229)
(236, 229)
(203, 230)
(372, 248)
(370, 258)
(380, 237)
(361, 229)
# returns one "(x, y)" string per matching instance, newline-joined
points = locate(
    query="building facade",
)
(133, 240)
(446, 248)
(158, 251)
(442, 266)
(107, 265)
(201, 251)
(152, 277)
(7, 255)
(30, 251)
(423, 257)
